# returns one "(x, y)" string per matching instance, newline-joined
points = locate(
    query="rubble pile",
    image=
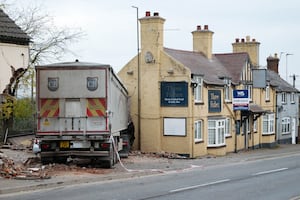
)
(10, 169)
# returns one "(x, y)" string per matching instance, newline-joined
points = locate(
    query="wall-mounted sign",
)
(240, 100)
(174, 126)
(174, 94)
(92, 83)
(214, 101)
(53, 83)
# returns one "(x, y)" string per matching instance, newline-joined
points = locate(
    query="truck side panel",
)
(117, 105)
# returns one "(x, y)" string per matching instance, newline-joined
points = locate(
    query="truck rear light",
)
(45, 146)
(105, 145)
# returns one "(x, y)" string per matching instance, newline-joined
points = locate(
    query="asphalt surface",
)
(143, 166)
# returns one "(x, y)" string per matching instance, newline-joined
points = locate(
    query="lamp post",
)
(286, 65)
(138, 74)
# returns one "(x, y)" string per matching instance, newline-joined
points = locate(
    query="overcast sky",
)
(110, 27)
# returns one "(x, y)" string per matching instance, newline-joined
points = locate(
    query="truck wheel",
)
(112, 158)
(61, 160)
(46, 160)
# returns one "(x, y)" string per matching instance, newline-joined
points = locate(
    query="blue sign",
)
(240, 100)
(214, 101)
(174, 94)
(240, 94)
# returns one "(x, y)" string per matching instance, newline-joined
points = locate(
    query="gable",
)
(10, 32)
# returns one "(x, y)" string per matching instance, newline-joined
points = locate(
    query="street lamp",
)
(286, 65)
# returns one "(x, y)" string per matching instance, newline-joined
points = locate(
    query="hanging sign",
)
(240, 100)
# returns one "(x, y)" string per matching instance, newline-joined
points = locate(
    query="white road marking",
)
(197, 186)
(269, 172)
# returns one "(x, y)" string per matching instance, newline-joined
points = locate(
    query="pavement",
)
(143, 166)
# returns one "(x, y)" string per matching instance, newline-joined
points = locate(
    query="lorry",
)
(82, 112)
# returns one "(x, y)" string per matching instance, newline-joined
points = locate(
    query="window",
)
(249, 88)
(227, 90)
(216, 133)
(198, 88)
(283, 97)
(247, 124)
(285, 125)
(227, 127)
(267, 94)
(198, 131)
(292, 97)
(255, 125)
(268, 123)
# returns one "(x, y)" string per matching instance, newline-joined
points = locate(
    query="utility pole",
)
(286, 65)
(138, 74)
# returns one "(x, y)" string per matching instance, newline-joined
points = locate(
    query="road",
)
(269, 178)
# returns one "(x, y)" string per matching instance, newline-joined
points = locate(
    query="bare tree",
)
(48, 42)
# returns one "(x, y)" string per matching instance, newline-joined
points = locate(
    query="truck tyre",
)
(61, 160)
(46, 160)
(112, 157)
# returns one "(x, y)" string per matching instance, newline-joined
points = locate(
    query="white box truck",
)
(82, 111)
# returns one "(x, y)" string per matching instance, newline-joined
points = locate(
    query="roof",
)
(234, 63)
(254, 108)
(280, 84)
(221, 65)
(75, 64)
(10, 32)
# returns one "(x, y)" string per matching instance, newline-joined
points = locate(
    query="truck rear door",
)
(73, 118)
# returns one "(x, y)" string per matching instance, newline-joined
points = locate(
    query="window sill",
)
(199, 103)
(286, 133)
(228, 136)
(216, 146)
(268, 134)
(198, 141)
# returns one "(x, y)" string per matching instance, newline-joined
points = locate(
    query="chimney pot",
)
(198, 28)
(205, 27)
(248, 38)
(237, 40)
(148, 14)
(253, 40)
(242, 40)
(156, 14)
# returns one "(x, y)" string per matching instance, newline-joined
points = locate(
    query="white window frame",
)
(268, 125)
(216, 133)
(267, 93)
(292, 97)
(255, 125)
(249, 88)
(227, 127)
(198, 133)
(283, 97)
(198, 90)
(227, 90)
(285, 125)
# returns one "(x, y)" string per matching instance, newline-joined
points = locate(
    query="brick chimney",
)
(273, 63)
(152, 31)
(202, 41)
(249, 46)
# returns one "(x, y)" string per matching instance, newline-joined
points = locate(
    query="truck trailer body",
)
(82, 112)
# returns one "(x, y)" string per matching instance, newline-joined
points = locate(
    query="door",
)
(72, 115)
(293, 130)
